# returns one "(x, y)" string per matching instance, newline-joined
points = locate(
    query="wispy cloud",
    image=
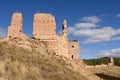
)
(3, 32)
(118, 15)
(92, 33)
(91, 19)
(85, 25)
(95, 35)
(116, 38)
(109, 53)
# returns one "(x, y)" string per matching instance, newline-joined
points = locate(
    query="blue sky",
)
(95, 23)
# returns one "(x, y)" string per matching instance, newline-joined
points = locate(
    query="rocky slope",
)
(17, 63)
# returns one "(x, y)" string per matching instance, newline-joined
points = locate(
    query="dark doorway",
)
(72, 56)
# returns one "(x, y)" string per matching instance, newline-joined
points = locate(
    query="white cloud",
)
(118, 15)
(92, 33)
(71, 30)
(3, 32)
(95, 35)
(116, 38)
(101, 35)
(85, 25)
(91, 19)
(109, 53)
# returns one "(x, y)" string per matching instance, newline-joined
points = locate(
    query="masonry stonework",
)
(111, 61)
(44, 30)
(74, 49)
(44, 26)
(15, 29)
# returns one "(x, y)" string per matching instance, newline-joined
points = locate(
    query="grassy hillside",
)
(21, 64)
(107, 73)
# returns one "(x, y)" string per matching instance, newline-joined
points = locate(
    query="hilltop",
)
(17, 63)
(45, 56)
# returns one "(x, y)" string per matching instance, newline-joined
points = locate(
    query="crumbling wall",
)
(52, 46)
(15, 29)
(63, 47)
(74, 49)
(44, 30)
(58, 47)
(44, 26)
(111, 61)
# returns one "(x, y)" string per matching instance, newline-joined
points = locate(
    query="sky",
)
(95, 23)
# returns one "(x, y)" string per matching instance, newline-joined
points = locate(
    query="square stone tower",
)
(44, 26)
(74, 49)
(15, 29)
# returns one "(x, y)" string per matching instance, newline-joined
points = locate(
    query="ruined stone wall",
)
(63, 47)
(52, 46)
(44, 30)
(44, 26)
(74, 49)
(110, 64)
(96, 66)
(64, 29)
(111, 61)
(15, 29)
(58, 47)
(16, 25)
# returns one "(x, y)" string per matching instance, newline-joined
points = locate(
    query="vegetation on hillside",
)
(105, 73)
(98, 61)
(21, 64)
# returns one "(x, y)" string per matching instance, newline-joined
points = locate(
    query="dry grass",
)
(21, 64)
(107, 73)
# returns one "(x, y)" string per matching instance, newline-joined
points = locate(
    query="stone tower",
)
(44, 30)
(15, 29)
(44, 26)
(112, 61)
(64, 28)
(74, 49)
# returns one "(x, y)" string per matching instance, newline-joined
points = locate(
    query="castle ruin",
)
(44, 30)
(111, 61)
(15, 29)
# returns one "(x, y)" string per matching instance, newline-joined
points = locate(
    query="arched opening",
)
(72, 57)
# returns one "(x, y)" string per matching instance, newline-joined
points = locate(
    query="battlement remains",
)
(44, 30)
(44, 26)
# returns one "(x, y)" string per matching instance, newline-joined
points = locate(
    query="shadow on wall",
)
(107, 77)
